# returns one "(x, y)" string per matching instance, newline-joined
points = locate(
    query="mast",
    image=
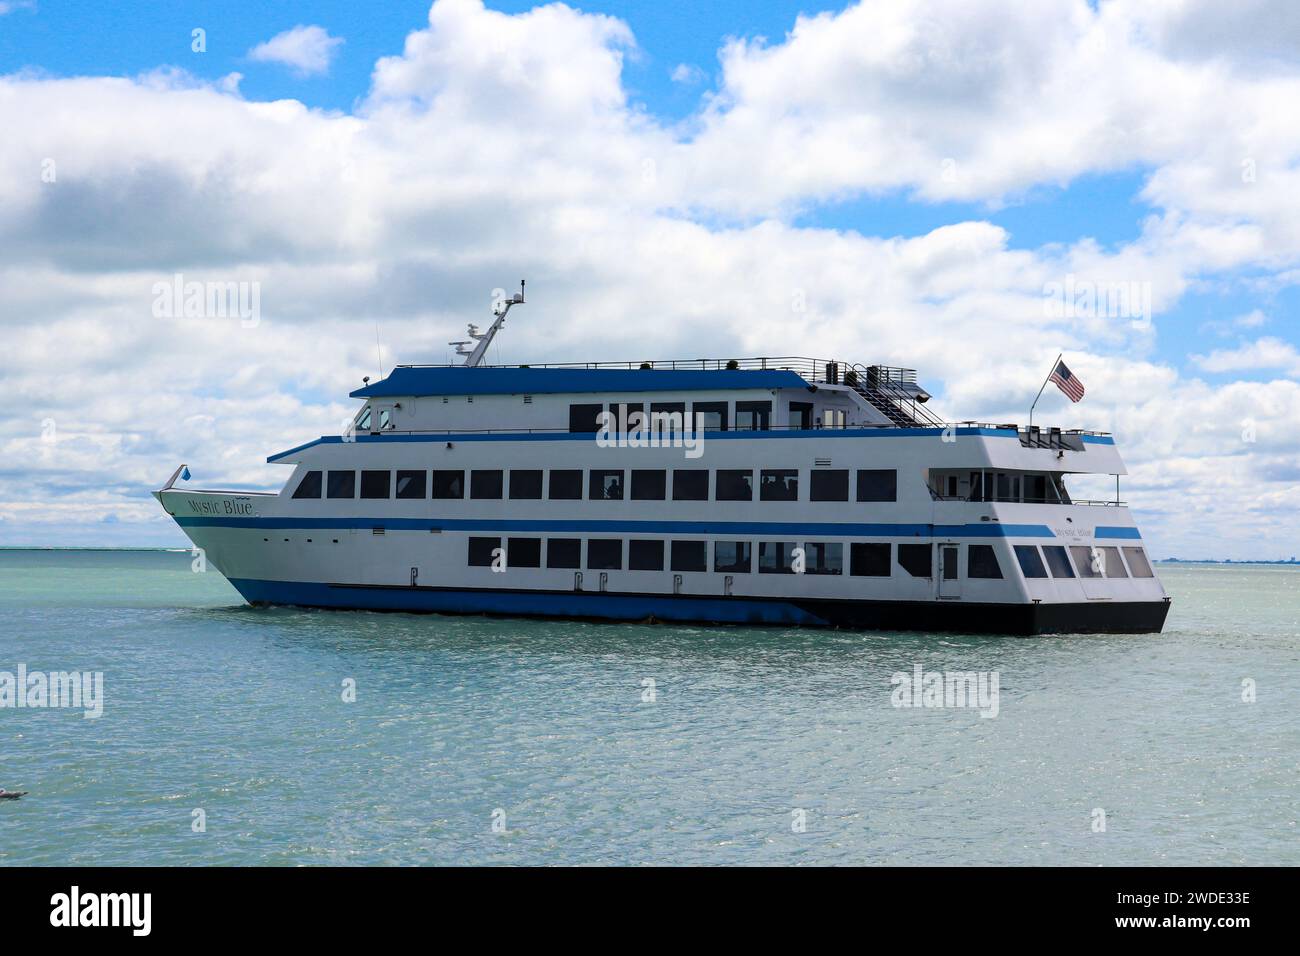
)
(484, 339)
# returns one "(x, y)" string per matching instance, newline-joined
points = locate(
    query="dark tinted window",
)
(668, 418)
(690, 484)
(449, 484)
(735, 485)
(566, 485)
(869, 559)
(341, 484)
(753, 416)
(485, 484)
(648, 485)
(829, 485)
(776, 557)
(690, 556)
(525, 484)
(1030, 562)
(604, 554)
(822, 557)
(583, 418)
(877, 485)
(563, 553)
(715, 415)
(309, 487)
(982, 562)
(1058, 561)
(524, 552)
(734, 557)
(605, 485)
(915, 559)
(410, 484)
(480, 551)
(375, 484)
(778, 484)
(645, 555)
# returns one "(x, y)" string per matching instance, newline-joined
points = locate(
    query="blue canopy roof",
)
(458, 380)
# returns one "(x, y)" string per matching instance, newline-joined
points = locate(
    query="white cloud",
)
(1263, 354)
(686, 74)
(496, 146)
(307, 50)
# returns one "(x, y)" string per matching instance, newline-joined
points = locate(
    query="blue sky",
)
(1097, 140)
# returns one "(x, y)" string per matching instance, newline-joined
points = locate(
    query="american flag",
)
(1066, 382)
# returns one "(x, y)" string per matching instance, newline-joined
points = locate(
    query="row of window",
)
(1090, 562)
(866, 559)
(603, 484)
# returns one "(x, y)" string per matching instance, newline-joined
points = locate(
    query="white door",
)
(949, 582)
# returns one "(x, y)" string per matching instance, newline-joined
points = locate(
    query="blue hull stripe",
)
(1105, 532)
(709, 436)
(800, 529)
(612, 606)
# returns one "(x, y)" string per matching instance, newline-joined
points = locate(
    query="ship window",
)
(485, 484)
(1058, 561)
(525, 483)
(824, 557)
(877, 484)
(648, 485)
(563, 553)
(776, 557)
(668, 418)
(410, 484)
(778, 484)
(714, 414)
(753, 416)
(735, 485)
(605, 485)
(869, 559)
(480, 551)
(690, 556)
(622, 420)
(1138, 563)
(584, 418)
(732, 557)
(341, 484)
(1036, 489)
(385, 419)
(1113, 564)
(1087, 560)
(690, 484)
(376, 484)
(363, 420)
(1031, 562)
(566, 485)
(829, 485)
(448, 484)
(982, 562)
(916, 559)
(801, 415)
(645, 555)
(604, 554)
(309, 487)
(524, 552)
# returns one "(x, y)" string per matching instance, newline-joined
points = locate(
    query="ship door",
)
(949, 582)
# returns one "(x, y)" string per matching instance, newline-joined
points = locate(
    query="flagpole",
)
(1055, 363)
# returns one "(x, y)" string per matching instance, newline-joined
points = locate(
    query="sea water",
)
(235, 735)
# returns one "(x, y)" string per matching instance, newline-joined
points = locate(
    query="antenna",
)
(379, 352)
(484, 339)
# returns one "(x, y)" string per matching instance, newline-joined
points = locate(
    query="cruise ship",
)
(778, 491)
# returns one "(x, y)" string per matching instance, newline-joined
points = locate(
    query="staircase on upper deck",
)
(886, 390)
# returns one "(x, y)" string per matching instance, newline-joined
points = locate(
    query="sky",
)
(965, 188)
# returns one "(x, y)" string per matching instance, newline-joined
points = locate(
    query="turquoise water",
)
(210, 704)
